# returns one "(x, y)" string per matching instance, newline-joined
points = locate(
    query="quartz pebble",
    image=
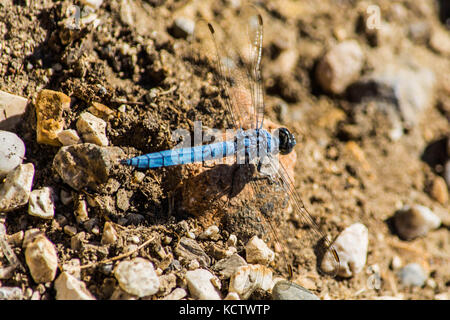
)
(49, 112)
(40, 203)
(351, 246)
(92, 129)
(12, 152)
(177, 294)
(16, 188)
(109, 235)
(200, 286)
(12, 108)
(247, 279)
(41, 258)
(212, 233)
(415, 221)
(340, 66)
(286, 290)
(258, 252)
(86, 164)
(70, 288)
(137, 277)
(68, 137)
(413, 275)
(11, 293)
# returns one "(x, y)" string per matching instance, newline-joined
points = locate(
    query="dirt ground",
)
(133, 60)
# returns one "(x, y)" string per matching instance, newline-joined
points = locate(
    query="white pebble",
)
(232, 240)
(200, 286)
(177, 294)
(68, 137)
(16, 189)
(232, 296)
(248, 278)
(70, 288)
(351, 246)
(340, 66)
(12, 151)
(415, 221)
(258, 252)
(92, 129)
(211, 233)
(41, 203)
(190, 235)
(41, 258)
(137, 277)
(193, 265)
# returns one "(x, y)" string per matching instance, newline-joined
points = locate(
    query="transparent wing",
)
(235, 60)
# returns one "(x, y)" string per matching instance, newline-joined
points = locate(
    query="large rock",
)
(85, 164)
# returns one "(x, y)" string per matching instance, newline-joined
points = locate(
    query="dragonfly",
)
(236, 65)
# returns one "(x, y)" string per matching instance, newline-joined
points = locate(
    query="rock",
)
(182, 27)
(123, 199)
(286, 290)
(232, 296)
(188, 250)
(41, 258)
(228, 266)
(408, 91)
(232, 240)
(92, 3)
(68, 137)
(137, 277)
(11, 293)
(86, 164)
(167, 283)
(49, 113)
(440, 42)
(439, 191)
(257, 252)
(200, 285)
(415, 221)
(248, 278)
(70, 288)
(81, 211)
(70, 230)
(72, 267)
(177, 294)
(12, 152)
(351, 246)
(12, 108)
(16, 188)
(413, 275)
(101, 111)
(212, 233)
(40, 203)
(92, 129)
(340, 66)
(109, 235)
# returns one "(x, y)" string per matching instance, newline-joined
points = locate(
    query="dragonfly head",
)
(287, 141)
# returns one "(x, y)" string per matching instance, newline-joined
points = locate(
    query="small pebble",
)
(351, 246)
(137, 277)
(139, 176)
(193, 265)
(81, 211)
(70, 288)
(232, 296)
(12, 152)
(40, 203)
(247, 279)
(183, 27)
(101, 111)
(49, 113)
(228, 266)
(92, 129)
(65, 197)
(13, 107)
(258, 252)
(232, 240)
(413, 275)
(212, 233)
(68, 137)
(16, 187)
(190, 235)
(286, 290)
(134, 239)
(340, 66)
(415, 221)
(41, 258)
(11, 293)
(72, 267)
(109, 235)
(70, 230)
(188, 250)
(200, 286)
(439, 190)
(177, 294)
(396, 263)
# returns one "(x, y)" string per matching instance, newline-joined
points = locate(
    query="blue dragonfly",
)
(236, 65)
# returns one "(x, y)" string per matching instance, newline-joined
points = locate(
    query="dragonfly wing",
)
(235, 60)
